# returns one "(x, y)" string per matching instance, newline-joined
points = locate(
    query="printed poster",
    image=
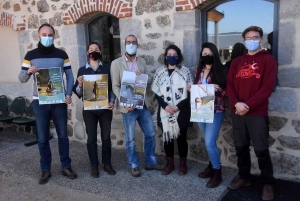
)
(95, 92)
(202, 103)
(50, 86)
(133, 89)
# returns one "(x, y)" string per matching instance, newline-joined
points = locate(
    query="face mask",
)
(131, 49)
(208, 59)
(94, 55)
(47, 41)
(172, 60)
(252, 45)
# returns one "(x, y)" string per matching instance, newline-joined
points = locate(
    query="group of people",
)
(248, 81)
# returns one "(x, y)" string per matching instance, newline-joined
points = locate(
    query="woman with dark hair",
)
(237, 50)
(170, 86)
(92, 117)
(210, 70)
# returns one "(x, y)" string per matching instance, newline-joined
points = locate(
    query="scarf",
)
(201, 77)
(45, 50)
(173, 89)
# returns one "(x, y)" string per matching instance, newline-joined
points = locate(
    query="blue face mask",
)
(252, 45)
(47, 41)
(131, 49)
(172, 60)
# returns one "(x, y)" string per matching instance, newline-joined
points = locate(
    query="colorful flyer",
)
(133, 89)
(50, 86)
(95, 92)
(202, 103)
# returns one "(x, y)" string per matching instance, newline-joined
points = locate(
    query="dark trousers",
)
(91, 119)
(256, 128)
(181, 142)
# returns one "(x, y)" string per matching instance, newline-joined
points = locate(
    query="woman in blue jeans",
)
(210, 70)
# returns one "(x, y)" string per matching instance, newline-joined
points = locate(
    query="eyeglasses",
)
(129, 42)
(252, 38)
(207, 54)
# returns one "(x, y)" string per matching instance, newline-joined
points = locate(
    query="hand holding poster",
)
(95, 92)
(50, 86)
(202, 103)
(133, 89)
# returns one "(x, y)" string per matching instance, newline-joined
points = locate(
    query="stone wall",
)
(158, 24)
(284, 102)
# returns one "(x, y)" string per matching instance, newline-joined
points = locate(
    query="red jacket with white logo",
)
(251, 80)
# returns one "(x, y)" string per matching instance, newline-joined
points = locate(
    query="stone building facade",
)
(156, 24)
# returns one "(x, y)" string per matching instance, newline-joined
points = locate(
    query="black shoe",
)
(45, 177)
(94, 172)
(109, 169)
(68, 172)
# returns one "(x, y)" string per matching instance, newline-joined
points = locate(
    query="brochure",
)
(202, 103)
(133, 89)
(50, 85)
(95, 92)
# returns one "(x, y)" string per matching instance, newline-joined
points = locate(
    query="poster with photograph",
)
(133, 89)
(95, 92)
(202, 103)
(50, 86)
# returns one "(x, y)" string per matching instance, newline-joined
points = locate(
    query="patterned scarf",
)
(173, 89)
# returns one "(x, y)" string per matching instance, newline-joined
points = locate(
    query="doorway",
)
(104, 30)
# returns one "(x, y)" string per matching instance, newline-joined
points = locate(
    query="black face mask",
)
(95, 56)
(208, 59)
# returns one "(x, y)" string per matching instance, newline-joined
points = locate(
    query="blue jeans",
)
(144, 118)
(210, 132)
(43, 114)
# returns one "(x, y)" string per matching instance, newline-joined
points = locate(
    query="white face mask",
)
(131, 49)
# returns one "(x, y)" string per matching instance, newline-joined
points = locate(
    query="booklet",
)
(95, 92)
(133, 89)
(202, 103)
(50, 85)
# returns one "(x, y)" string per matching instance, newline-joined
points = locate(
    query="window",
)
(105, 31)
(224, 21)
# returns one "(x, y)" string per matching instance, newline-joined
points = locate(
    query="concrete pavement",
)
(19, 174)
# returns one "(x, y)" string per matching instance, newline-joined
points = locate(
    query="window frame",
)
(275, 22)
(86, 27)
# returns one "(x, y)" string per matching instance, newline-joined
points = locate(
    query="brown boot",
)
(267, 192)
(182, 167)
(216, 179)
(169, 167)
(238, 182)
(208, 172)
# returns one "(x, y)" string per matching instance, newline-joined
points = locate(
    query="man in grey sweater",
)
(46, 55)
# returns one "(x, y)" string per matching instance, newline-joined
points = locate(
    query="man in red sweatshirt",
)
(250, 82)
